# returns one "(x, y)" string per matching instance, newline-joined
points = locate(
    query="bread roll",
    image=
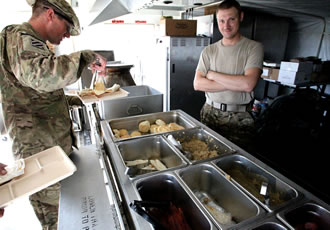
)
(144, 126)
(153, 128)
(136, 134)
(123, 132)
(163, 128)
(116, 133)
(160, 122)
(125, 136)
(174, 126)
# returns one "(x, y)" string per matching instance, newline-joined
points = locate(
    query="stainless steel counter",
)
(87, 199)
(151, 186)
(98, 195)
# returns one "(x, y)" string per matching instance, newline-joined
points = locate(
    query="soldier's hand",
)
(2, 169)
(2, 172)
(99, 64)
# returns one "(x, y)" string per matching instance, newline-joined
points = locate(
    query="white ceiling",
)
(109, 9)
(15, 6)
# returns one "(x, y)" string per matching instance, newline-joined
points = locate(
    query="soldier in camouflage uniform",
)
(2, 172)
(32, 78)
(227, 72)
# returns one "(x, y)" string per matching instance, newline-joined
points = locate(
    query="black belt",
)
(227, 107)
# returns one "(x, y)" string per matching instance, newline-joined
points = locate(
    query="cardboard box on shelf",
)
(265, 72)
(274, 74)
(293, 77)
(211, 9)
(175, 27)
(270, 73)
(306, 67)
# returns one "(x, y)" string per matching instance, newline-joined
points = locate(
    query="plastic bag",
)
(14, 170)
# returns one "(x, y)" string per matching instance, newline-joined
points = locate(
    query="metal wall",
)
(271, 31)
(184, 55)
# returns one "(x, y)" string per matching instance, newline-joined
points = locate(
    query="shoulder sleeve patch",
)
(37, 44)
(34, 45)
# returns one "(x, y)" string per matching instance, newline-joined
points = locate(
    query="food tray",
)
(268, 223)
(270, 226)
(220, 198)
(142, 99)
(41, 170)
(103, 97)
(132, 123)
(165, 187)
(149, 148)
(309, 213)
(200, 137)
(250, 178)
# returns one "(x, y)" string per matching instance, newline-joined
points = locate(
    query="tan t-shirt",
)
(235, 60)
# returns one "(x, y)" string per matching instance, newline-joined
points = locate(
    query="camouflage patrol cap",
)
(62, 8)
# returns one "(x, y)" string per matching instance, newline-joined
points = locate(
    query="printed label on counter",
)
(88, 218)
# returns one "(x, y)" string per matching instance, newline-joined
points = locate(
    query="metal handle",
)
(134, 110)
(174, 141)
(76, 118)
(137, 207)
(93, 80)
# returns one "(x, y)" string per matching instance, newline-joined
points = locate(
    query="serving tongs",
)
(93, 79)
(265, 192)
(137, 206)
(95, 74)
(178, 145)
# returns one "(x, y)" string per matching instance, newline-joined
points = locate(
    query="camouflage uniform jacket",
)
(32, 78)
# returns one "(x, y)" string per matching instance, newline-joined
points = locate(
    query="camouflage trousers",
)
(45, 204)
(238, 127)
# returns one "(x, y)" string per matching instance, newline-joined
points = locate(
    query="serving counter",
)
(223, 188)
(87, 198)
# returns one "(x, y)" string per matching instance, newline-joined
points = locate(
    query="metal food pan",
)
(149, 148)
(220, 198)
(165, 187)
(270, 226)
(251, 177)
(141, 99)
(268, 223)
(132, 123)
(199, 145)
(306, 215)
